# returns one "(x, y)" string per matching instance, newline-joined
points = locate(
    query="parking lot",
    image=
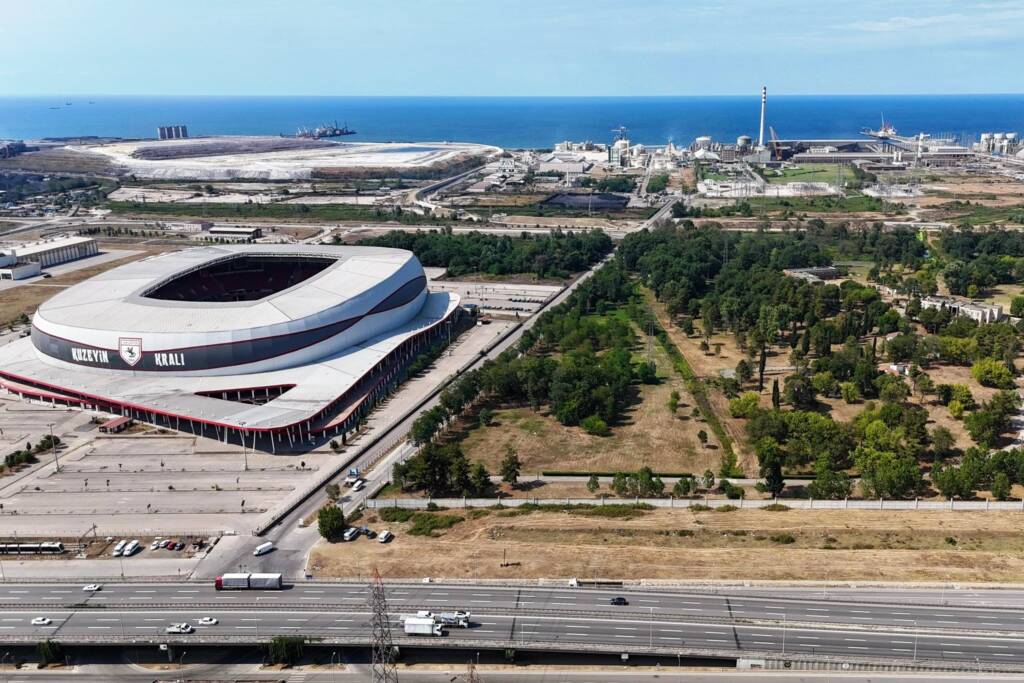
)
(503, 299)
(151, 484)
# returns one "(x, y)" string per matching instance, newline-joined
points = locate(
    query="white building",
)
(978, 311)
(10, 269)
(55, 251)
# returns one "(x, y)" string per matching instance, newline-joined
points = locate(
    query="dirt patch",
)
(678, 544)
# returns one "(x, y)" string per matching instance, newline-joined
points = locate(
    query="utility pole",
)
(53, 447)
(383, 668)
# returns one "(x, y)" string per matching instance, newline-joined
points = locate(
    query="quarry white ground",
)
(291, 164)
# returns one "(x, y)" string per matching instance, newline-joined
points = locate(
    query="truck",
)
(420, 626)
(248, 582)
(263, 548)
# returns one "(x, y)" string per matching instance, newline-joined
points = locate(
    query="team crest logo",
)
(130, 350)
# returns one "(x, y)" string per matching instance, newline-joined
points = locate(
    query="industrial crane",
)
(776, 147)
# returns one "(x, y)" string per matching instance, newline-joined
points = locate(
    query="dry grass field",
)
(650, 435)
(679, 544)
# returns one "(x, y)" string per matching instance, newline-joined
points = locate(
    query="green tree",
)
(286, 650)
(708, 480)
(702, 436)
(1017, 306)
(333, 491)
(770, 457)
(799, 392)
(486, 417)
(510, 466)
(330, 522)
(991, 373)
(744, 405)
(744, 373)
(593, 484)
(49, 652)
(942, 443)
(776, 396)
(479, 480)
(673, 401)
(684, 486)
(849, 392)
(1001, 486)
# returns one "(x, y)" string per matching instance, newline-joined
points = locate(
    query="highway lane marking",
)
(816, 609)
(14, 620)
(856, 647)
(620, 636)
(902, 642)
(481, 602)
(568, 634)
(1001, 647)
(624, 628)
(100, 627)
(716, 640)
(808, 638)
(947, 622)
(764, 642)
(855, 640)
(902, 649)
(246, 627)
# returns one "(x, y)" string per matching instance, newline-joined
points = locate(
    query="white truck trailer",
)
(422, 626)
(248, 582)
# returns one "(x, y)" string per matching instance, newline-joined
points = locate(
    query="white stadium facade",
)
(271, 346)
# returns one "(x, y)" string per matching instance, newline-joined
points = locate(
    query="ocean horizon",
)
(513, 122)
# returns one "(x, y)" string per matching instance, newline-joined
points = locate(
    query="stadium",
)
(266, 345)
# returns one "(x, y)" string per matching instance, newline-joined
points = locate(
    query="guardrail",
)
(683, 503)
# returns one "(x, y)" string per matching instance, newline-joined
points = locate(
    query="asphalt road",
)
(294, 543)
(571, 618)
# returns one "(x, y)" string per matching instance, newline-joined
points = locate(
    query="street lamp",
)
(915, 640)
(650, 630)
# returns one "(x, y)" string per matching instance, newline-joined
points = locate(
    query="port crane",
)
(620, 132)
(776, 146)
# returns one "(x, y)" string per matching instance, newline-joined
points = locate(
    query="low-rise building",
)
(52, 252)
(813, 275)
(978, 311)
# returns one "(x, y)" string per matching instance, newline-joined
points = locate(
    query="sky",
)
(511, 47)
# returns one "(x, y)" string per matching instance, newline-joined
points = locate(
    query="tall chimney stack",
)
(764, 101)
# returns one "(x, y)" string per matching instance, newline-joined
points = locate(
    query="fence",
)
(796, 504)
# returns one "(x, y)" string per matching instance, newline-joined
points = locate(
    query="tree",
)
(708, 480)
(744, 373)
(330, 522)
(942, 443)
(333, 491)
(593, 484)
(776, 396)
(480, 479)
(799, 392)
(673, 401)
(886, 473)
(684, 486)
(744, 405)
(702, 436)
(770, 457)
(486, 417)
(991, 373)
(49, 652)
(849, 392)
(285, 650)
(510, 466)
(1001, 486)
(1017, 307)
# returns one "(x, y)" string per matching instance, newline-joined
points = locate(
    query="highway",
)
(573, 619)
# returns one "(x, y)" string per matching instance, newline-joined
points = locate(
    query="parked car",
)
(385, 536)
(179, 545)
(359, 485)
(351, 534)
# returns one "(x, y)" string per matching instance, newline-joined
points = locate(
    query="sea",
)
(514, 122)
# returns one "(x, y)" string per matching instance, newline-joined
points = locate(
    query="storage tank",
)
(703, 142)
(743, 141)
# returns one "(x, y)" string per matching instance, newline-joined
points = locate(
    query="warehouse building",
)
(54, 252)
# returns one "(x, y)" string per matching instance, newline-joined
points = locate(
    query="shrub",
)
(725, 508)
(776, 507)
(424, 524)
(595, 425)
(784, 539)
(744, 405)
(395, 514)
(991, 373)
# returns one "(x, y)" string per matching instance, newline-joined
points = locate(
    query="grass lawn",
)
(852, 204)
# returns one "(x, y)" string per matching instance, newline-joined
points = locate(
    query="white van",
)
(130, 549)
(351, 534)
(263, 548)
(385, 536)
(119, 548)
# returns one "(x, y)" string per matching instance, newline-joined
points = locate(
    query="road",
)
(294, 542)
(574, 619)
